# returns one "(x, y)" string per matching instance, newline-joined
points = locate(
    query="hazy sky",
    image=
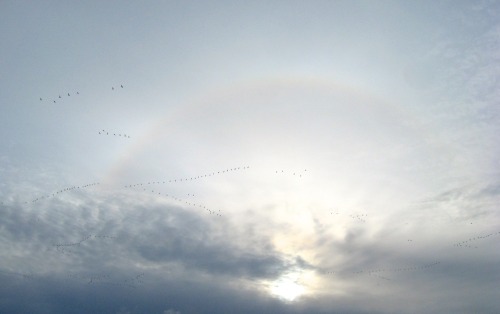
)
(179, 157)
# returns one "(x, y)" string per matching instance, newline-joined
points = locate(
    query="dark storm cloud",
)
(93, 233)
(186, 238)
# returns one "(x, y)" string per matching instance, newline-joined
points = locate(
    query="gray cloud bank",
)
(139, 254)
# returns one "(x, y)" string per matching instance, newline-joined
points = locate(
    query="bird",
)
(121, 86)
(112, 88)
(40, 98)
(69, 94)
(54, 101)
(59, 96)
(77, 93)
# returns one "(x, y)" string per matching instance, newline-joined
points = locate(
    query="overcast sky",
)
(179, 157)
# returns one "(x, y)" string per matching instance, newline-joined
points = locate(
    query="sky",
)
(178, 157)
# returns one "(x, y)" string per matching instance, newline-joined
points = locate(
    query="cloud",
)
(398, 210)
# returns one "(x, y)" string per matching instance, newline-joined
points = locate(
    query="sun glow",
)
(287, 288)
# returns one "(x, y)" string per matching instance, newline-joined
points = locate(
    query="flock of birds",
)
(107, 279)
(465, 243)
(210, 211)
(188, 178)
(375, 272)
(68, 248)
(20, 275)
(90, 279)
(54, 194)
(74, 93)
(358, 217)
(104, 132)
(60, 97)
(214, 173)
(297, 173)
(65, 248)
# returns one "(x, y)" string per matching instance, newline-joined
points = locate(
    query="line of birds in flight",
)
(189, 178)
(99, 279)
(358, 217)
(294, 172)
(60, 97)
(61, 191)
(210, 211)
(104, 132)
(466, 244)
(105, 279)
(76, 93)
(13, 273)
(64, 247)
(385, 270)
